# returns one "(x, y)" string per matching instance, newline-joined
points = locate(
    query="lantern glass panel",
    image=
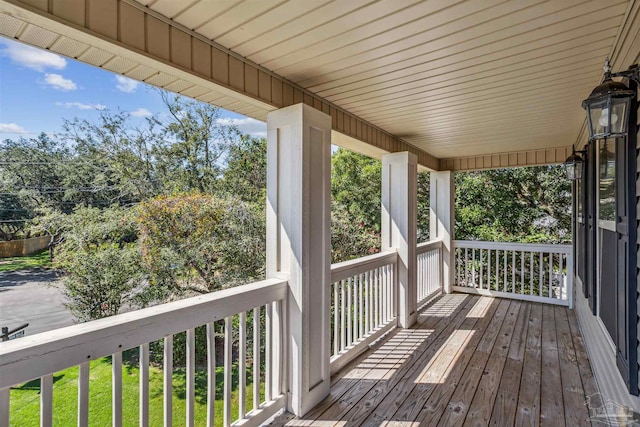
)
(570, 169)
(619, 114)
(599, 119)
(577, 170)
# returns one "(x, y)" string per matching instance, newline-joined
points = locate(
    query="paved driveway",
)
(32, 296)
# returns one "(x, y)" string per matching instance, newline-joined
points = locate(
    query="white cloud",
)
(141, 112)
(125, 84)
(11, 128)
(81, 106)
(247, 126)
(33, 58)
(58, 82)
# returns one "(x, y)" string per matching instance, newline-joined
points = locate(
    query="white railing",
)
(363, 304)
(429, 257)
(43, 355)
(532, 272)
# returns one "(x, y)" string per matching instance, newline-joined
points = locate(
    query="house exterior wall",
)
(638, 240)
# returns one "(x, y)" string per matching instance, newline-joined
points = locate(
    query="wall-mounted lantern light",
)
(608, 105)
(573, 166)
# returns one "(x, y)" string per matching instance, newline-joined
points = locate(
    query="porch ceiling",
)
(451, 77)
(475, 83)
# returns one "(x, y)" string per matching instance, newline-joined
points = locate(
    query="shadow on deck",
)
(469, 360)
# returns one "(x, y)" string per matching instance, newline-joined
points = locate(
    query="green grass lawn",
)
(37, 260)
(25, 400)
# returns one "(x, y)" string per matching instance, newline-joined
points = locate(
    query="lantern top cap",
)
(608, 89)
(574, 157)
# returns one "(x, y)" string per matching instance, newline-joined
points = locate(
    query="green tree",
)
(200, 243)
(423, 212)
(245, 173)
(98, 283)
(99, 260)
(193, 144)
(520, 204)
(32, 175)
(356, 182)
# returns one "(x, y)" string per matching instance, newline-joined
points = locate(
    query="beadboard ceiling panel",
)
(447, 79)
(451, 77)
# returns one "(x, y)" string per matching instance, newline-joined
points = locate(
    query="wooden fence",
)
(24, 247)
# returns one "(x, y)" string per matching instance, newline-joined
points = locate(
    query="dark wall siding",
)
(638, 234)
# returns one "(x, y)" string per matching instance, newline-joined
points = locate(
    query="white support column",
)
(399, 194)
(442, 220)
(299, 245)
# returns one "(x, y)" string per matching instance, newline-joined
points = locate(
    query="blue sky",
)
(38, 89)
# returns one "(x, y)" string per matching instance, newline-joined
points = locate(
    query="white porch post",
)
(442, 220)
(399, 193)
(299, 244)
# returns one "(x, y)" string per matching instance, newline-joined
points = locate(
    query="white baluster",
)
(256, 356)
(191, 376)
(46, 401)
(144, 385)
(83, 395)
(116, 389)
(211, 374)
(168, 381)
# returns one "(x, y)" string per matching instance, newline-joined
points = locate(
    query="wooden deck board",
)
(504, 408)
(528, 409)
(435, 406)
(468, 361)
(386, 378)
(576, 413)
(482, 404)
(551, 404)
(428, 375)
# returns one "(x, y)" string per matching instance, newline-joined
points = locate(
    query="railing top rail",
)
(343, 270)
(526, 247)
(427, 246)
(22, 360)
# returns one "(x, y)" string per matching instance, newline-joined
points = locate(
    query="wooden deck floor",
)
(469, 361)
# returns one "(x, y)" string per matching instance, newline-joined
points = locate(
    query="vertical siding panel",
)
(132, 26)
(486, 161)
(287, 94)
(251, 80)
(531, 158)
(236, 73)
(180, 48)
(298, 96)
(334, 117)
(522, 159)
(71, 10)
(276, 92)
(219, 66)
(103, 17)
(307, 99)
(200, 57)
(550, 156)
(264, 86)
(38, 4)
(157, 38)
